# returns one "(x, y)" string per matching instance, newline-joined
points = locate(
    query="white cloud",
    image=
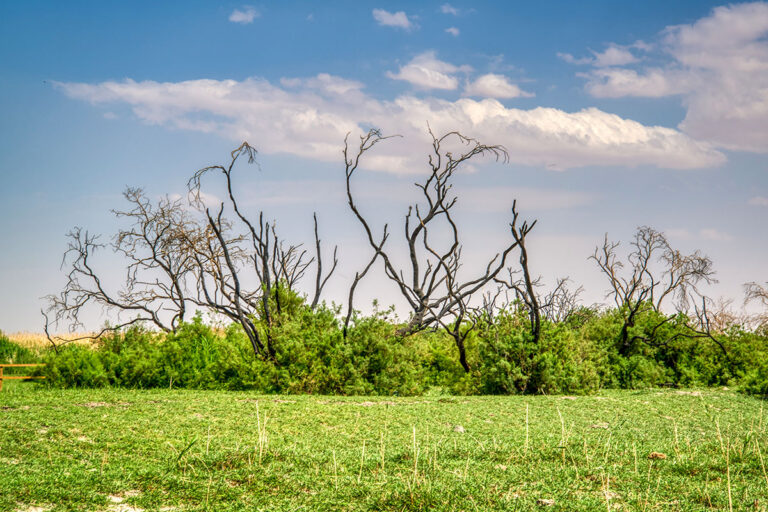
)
(495, 86)
(613, 56)
(642, 46)
(453, 31)
(426, 71)
(570, 59)
(326, 84)
(719, 65)
(244, 16)
(449, 9)
(389, 19)
(617, 83)
(310, 118)
(759, 201)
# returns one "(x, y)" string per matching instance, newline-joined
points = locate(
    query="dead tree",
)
(756, 292)
(222, 262)
(158, 269)
(556, 305)
(654, 273)
(524, 288)
(176, 258)
(320, 281)
(359, 275)
(431, 283)
(561, 302)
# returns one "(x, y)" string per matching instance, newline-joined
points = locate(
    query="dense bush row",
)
(576, 356)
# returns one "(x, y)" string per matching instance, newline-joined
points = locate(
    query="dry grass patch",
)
(37, 341)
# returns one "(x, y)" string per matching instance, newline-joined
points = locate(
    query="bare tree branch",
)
(654, 272)
(431, 282)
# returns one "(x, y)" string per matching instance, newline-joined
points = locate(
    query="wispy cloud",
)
(711, 234)
(393, 19)
(244, 16)
(613, 55)
(311, 117)
(326, 84)
(206, 199)
(449, 9)
(714, 234)
(453, 31)
(570, 59)
(495, 86)
(499, 199)
(758, 201)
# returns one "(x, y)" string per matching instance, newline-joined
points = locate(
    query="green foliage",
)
(75, 366)
(510, 361)
(578, 356)
(11, 353)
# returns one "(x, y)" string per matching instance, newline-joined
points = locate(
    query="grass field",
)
(123, 451)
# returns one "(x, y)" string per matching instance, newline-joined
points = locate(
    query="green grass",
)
(124, 450)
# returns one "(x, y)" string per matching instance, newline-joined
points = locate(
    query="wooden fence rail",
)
(17, 377)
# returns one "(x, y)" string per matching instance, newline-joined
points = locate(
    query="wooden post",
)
(17, 377)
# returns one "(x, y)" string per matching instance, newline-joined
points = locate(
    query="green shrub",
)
(312, 355)
(511, 362)
(11, 353)
(75, 366)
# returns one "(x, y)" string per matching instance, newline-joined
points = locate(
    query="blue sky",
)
(615, 115)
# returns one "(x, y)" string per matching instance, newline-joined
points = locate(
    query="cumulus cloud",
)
(426, 71)
(453, 31)
(393, 19)
(495, 86)
(244, 16)
(310, 117)
(719, 66)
